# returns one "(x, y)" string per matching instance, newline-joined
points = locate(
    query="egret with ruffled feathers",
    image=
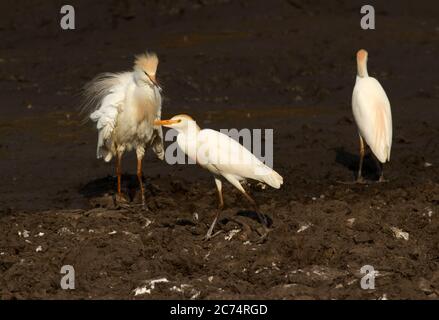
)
(124, 107)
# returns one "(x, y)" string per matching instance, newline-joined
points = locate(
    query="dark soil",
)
(287, 65)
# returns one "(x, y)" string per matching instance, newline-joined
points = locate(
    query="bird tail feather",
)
(271, 177)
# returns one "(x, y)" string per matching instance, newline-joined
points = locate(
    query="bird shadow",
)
(108, 185)
(351, 161)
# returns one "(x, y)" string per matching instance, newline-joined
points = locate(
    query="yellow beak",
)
(165, 122)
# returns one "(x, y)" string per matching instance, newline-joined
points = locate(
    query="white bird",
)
(222, 156)
(372, 113)
(124, 107)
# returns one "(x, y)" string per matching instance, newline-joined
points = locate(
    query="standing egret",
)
(125, 106)
(371, 109)
(223, 156)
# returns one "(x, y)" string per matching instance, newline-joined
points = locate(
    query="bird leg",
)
(212, 226)
(139, 177)
(220, 207)
(251, 200)
(118, 173)
(360, 167)
(381, 179)
(255, 206)
(238, 186)
(220, 193)
(262, 218)
(120, 197)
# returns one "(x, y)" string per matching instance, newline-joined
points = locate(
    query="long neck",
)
(191, 130)
(145, 103)
(362, 68)
(187, 140)
(138, 75)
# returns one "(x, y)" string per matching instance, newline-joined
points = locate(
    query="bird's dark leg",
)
(360, 167)
(262, 218)
(255, 206)
(251, 200)
(220, 207)
(380, 166)
(139, 177)
(381, 179)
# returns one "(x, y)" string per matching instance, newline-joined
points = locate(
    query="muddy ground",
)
(287, 65)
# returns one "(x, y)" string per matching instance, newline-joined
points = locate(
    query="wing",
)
(372, 113)
(229, 157)
(108, 94)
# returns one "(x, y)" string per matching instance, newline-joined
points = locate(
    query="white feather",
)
(118, 98)
(222, 155)
(372, 113)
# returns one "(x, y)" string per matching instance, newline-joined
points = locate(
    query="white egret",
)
(124, 107)
(371, 109)
(223, 156)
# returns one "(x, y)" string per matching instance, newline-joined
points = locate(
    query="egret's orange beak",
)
(165, 122)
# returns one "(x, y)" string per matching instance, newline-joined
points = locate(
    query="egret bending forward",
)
(371, 109)
(125, 106)
(223, 156)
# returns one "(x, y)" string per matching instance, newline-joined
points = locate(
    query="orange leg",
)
(251, 200)
(119, 173)
(220, 193)
(120, 197)
(360, 167)
(139, 177)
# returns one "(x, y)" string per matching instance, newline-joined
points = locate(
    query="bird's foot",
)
(262, 219)
(382, 180)
(144, 206)
(263, 232)
(121, 199)
(209, 235)
(210, 231)
(360, 180)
